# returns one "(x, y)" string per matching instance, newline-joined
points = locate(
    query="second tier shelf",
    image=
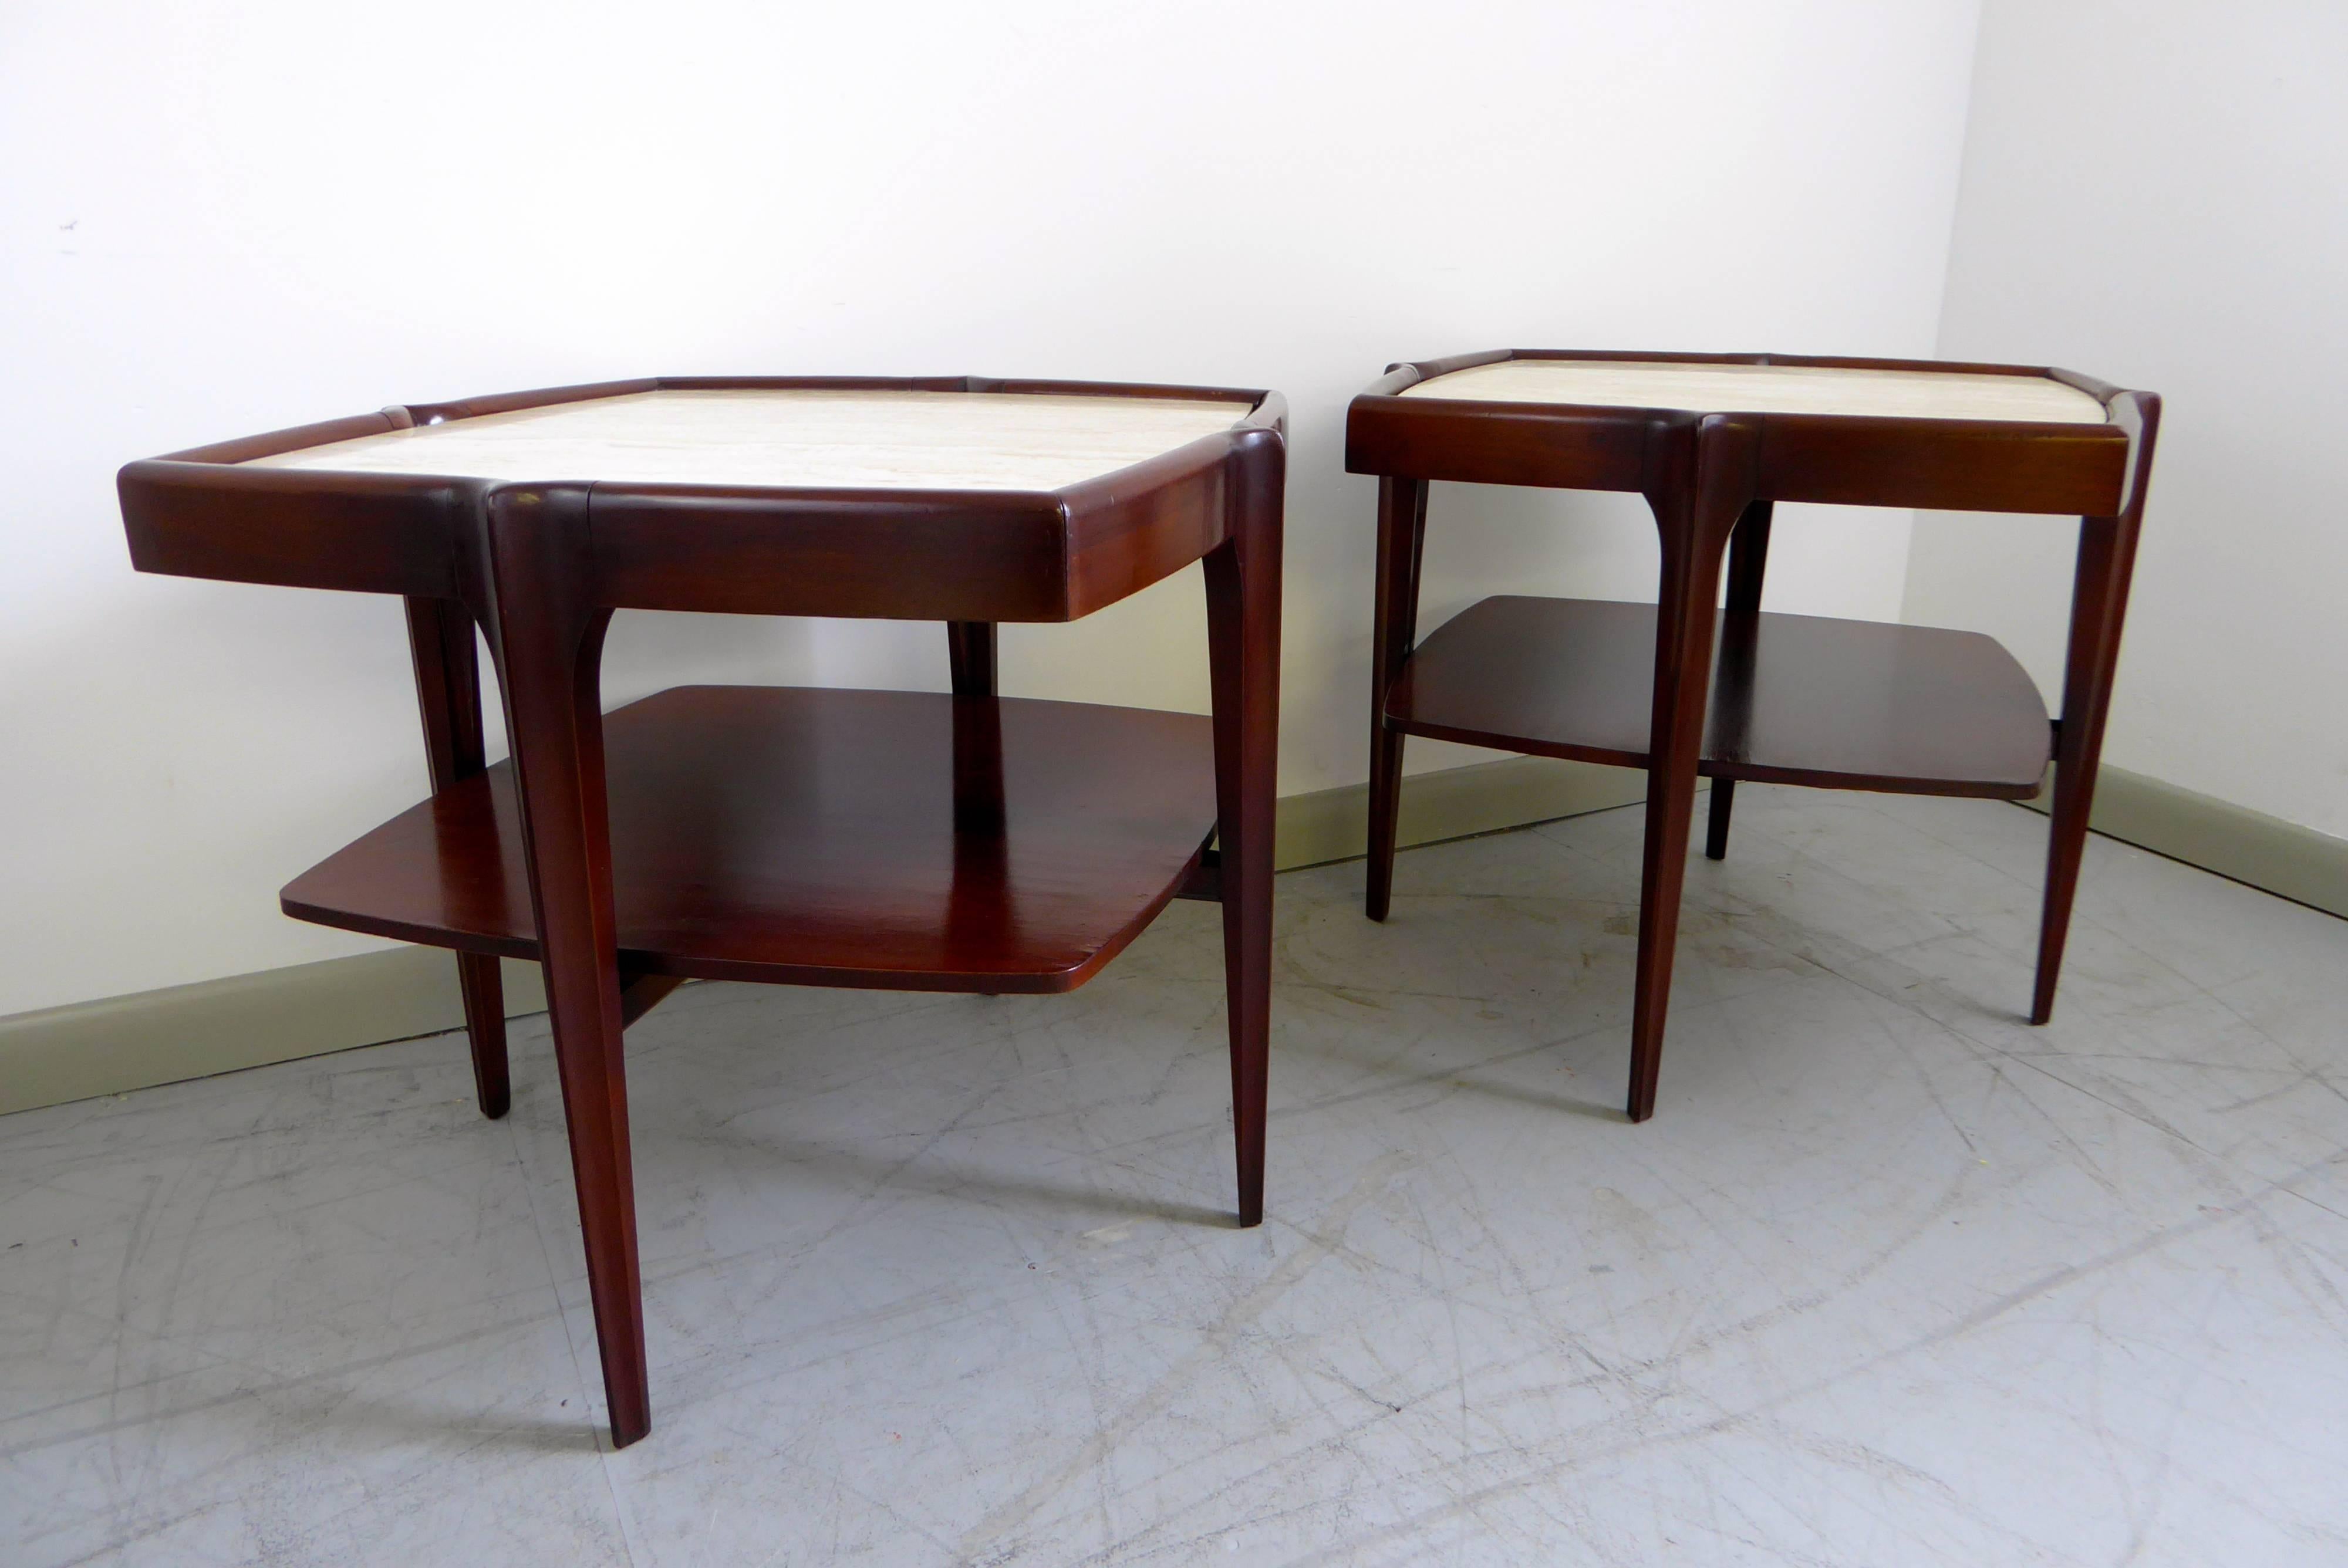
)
(808, 836)
(1795, 699)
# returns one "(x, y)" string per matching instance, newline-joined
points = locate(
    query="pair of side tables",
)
(974, 842)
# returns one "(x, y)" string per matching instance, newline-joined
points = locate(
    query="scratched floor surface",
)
(1891, 1278)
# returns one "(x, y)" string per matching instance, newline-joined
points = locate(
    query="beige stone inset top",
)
(1767, 389)
(794, 437)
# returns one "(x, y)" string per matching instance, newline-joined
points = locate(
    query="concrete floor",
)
(1891, 1278)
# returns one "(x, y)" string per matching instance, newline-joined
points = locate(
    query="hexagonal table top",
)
(794, 437)
(1716, 388)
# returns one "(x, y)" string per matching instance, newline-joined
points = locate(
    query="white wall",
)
(2156, 192)
(226, 218)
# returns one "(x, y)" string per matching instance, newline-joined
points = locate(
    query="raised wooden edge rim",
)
(389, 507)
(1410, 372)
(1582, 438)
(1267, 411)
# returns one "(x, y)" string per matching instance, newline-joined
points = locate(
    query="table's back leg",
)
(977, 729)
(970, 654)
(1705, 481)
(1242, 578)
(549, 642)
(1748, 558)
(979, 842)
(1402, 542)
(449, 695)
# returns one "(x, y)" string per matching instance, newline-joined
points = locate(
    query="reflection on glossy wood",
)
(808, 836)
(1795, 698)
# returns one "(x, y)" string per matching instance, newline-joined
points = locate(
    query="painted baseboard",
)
(243, 1021)
(2266, 852)
(136, 1042)
(308, 1010)
(1451, 802)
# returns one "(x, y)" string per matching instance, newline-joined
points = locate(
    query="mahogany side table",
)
(968, 842)
(1684, 688)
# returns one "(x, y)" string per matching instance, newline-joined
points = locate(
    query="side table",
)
(1684, 688)
(899, 840)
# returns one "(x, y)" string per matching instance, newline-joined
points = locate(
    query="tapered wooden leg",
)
(1715, 827)
(1402, 540)
(1748, 560)
(483, 989)
(449, 696)
(2098, 601)
(1242, 579)
(2098, 605)
(1708, 480)
(978, 803)
(549, 640)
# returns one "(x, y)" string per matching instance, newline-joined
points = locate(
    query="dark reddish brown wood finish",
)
(977, 728)
(1699, 489)
(1732, 678)
(954, 846)
(1242, 582)
(906, 555)
(534, 575)
(729, 862)
(1795, 699)
(449, 692)
(2098, 604)
(1402, 540)
(1791, 699)
(1953, 464)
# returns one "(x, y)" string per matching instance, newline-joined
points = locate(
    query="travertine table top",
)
(794, 437)
(1767, 389)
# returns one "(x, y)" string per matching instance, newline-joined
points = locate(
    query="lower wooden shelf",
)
(1795, 699)
(808, 836)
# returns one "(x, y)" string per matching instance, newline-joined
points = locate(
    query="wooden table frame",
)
(540, 568)
(1711, 478)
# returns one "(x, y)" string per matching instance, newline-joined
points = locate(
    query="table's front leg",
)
(1242, 578)
(2098, 606)
(549, 638)
(1701, 488)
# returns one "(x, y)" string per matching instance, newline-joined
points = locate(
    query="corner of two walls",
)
(2133, 205)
